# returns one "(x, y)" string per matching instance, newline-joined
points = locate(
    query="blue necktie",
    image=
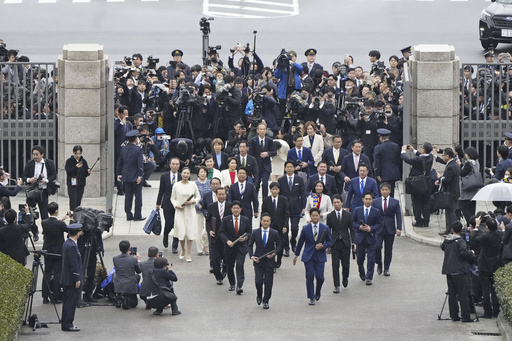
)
(264, 237)
(300, 155)
(173, 179)
(362, 187)
(275, 204)
(290, 183)
(366, 214)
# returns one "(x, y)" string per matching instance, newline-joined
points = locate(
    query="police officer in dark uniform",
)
(177, 56)
(310, 66)
(508, 143)
(406, 52)
(130, 172)
(386, 160)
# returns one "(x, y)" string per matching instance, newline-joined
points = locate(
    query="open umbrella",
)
(500, 191)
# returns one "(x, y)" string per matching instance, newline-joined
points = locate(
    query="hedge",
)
(15, 282)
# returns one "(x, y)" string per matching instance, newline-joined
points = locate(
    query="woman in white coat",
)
(315, 142)
(318, 199)
(229, 176)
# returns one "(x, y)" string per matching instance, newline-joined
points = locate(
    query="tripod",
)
(185, 119)
(471, 302)
(87, 254)
(219, 119)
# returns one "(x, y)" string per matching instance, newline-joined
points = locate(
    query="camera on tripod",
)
(222, 91)
(92, 219)
(185, 96)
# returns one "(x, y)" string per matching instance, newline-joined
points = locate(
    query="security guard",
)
(177, 56)
(310, 65)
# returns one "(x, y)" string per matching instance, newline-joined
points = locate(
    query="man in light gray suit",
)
(145, 268)
(126, 277)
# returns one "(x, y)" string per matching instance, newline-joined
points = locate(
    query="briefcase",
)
(150, 222)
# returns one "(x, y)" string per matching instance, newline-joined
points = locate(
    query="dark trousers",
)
(218, 256)
(263, 180)
(264, 276)
(314, 269)
(458, 292)
(234, 256)
(450, 218)
(294, 225)
(41, 203)
(491, 304)
(75, 196)
(284, 241)
(340, 253)
(366, 249)
(387, 239)
(169, 225)
(52, 266)
(71, 298)
(132, 189)
(468, 208)
(128, 301)
(149, 168)
(421, 207)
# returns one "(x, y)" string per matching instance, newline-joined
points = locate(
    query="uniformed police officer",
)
(508, 143)
(177, 56)
(386, 160)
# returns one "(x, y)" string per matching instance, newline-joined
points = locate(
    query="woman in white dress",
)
(319, 200)
(185, 219)
(229, 176)
(315, 142)
(203, 185)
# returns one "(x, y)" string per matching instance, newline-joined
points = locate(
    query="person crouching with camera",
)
(162, 277)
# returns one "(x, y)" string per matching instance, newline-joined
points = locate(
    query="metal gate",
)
(28, 100)
(485, 108)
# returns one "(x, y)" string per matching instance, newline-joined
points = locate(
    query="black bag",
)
(53, 187)
(416, 184)
(443, 200)
(472, 181)
(165, 295)
(157, 228)
(34, 192)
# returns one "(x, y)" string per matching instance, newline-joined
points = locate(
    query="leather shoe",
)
(278, 265)
(141, 219)
(368, 282)
(265, 306)
(129, 218)
(211, 269)
(57, 301)
(174, 250)
(72, 329)
(90, 300)
(443, 234)
(386, 273)
(293, 248)
(82, 304)
(486, 316)
(166, 241)
(469, 320)
(146, 184)
(46, 301)
(157, 312)
(231, 288)
(219, 282)
(258, 300)
(362, 276)
(417, 224)
(176, 312)
(311, 302)
(35, 237)
(345, 282)
(379, 269)
(317, 297)
(239, 291)
(120, 192)
(455, 319)
(336, 290)
(286, 253)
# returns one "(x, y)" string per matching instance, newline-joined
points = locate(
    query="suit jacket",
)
(307, 156)
(71, 264)
(354, 197)
(328, 156)
(8, 192)
(329, 182)
(125, 279)
(342, 233)
(307, 239)
(227, 232)
(223, 159)
(490, 245)
(250, 196)
(348, 168)
(28, 171)
(255, 150)
(374, 220)
(451, 178)
(251, 166)
(145, 268)
(213, 219)
(136, 101)
(129, 163)
(315, 67)
(417, 162)
(386, 161)
(12, 242)
(53, 232)
(392, 218)
(296, 196)
(273, 243)
(165, 190)
(280, 215)
(501, 167)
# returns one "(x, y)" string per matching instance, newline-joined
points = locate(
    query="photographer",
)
(149, 152)
(161, 141)
(126, 279)
(138, 98)
(7, 192)
(232, 96)
(191, 106)
(367, 126)
(377, 67)
(288, 73)
(327, 110)
(270, 109)
(12, 242)
(239, 133)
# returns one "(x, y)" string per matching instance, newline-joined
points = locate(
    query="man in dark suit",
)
(207, 199)
(130, 172)
(349, 162)
(386, 160)
(277, 207)
(40, 172)
(341, 224)
(268, 244)
(421, 164)
(328, 180)
(121, 127)
(367, 224)
(12, 242)
(216, 213)
(71, 277)
(391, 214)
(503, 164)
(53, 238)
(358, 186)
(334, 157)
(138, 97)
(310, 66)
(450, 183)
(167, 181)
(262, 148)
(316, 238)
(145, 268)
(245, 193)
(248, 162)
(293, 189)
(232, 228)
(301, 157)
(126, 279)
(8, 192)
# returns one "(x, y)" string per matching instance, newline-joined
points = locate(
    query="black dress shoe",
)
(278, 265)
(258, 300)
(317, 297)
(345, 282)
(176, 312)
(120, 192)
(293, 248)
(379, 269)
(174, 250)
(72, 329)
(336, 290)
(46, 301)
(90, 300)
(368, 282)
(286, 253)
(211, 269)
(455, 319)
(82, 304)
(239, 291)
(166, 241)
(265, 306)
(157, 312)
(486, 316)
(129, 218)
(386, 273)
(140, 219)
(231, 288)
(57, 301)
(362, 276)
(311, 302)
(469, 320)
(146, 184)
(443, 234)
(219, 282)
(417, 224)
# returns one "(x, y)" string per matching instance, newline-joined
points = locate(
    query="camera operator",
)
(191, 105)
(233, 99)
(239, 133)
(139, 98)
(377, 67)
(367, 126)
(12, 241)
(313, 108)
(127, 276)
(288, 73)
(149, 153)
(390, 122)
(270, 109)
(161, 141)
(328, 109)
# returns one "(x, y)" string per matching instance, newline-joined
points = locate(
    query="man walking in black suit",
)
(328, 180)
(71, 278)
(262, 148)
(341, 225)
(248, 162)
(245, 193)
(167, 181)
(232, 229)
(293, 188)
(268, 244)
(351, 162)
(276, 206)
(450, 183)
(386, 160)
(130, 172)
(53, 236)
(216, 213)
(334, 156)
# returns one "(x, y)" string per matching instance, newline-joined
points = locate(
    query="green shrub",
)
(15, 282)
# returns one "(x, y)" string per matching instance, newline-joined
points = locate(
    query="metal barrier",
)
(28, 101)
(485, 108)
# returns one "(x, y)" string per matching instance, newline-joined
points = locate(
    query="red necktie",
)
(385, 204)
(236, 226)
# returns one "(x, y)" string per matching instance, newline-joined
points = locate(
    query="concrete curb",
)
(505, 328)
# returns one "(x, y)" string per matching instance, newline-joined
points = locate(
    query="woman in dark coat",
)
(76, 172)
(161, 276)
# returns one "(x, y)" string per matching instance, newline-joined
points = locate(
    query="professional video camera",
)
(185, 96)
(222, 91)
(143, 138)
(213, 49)
(296, 103)
(341, 68)
(381, 116)
(152, 62)
(128, 61)
(92, 219)
(283, 60)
